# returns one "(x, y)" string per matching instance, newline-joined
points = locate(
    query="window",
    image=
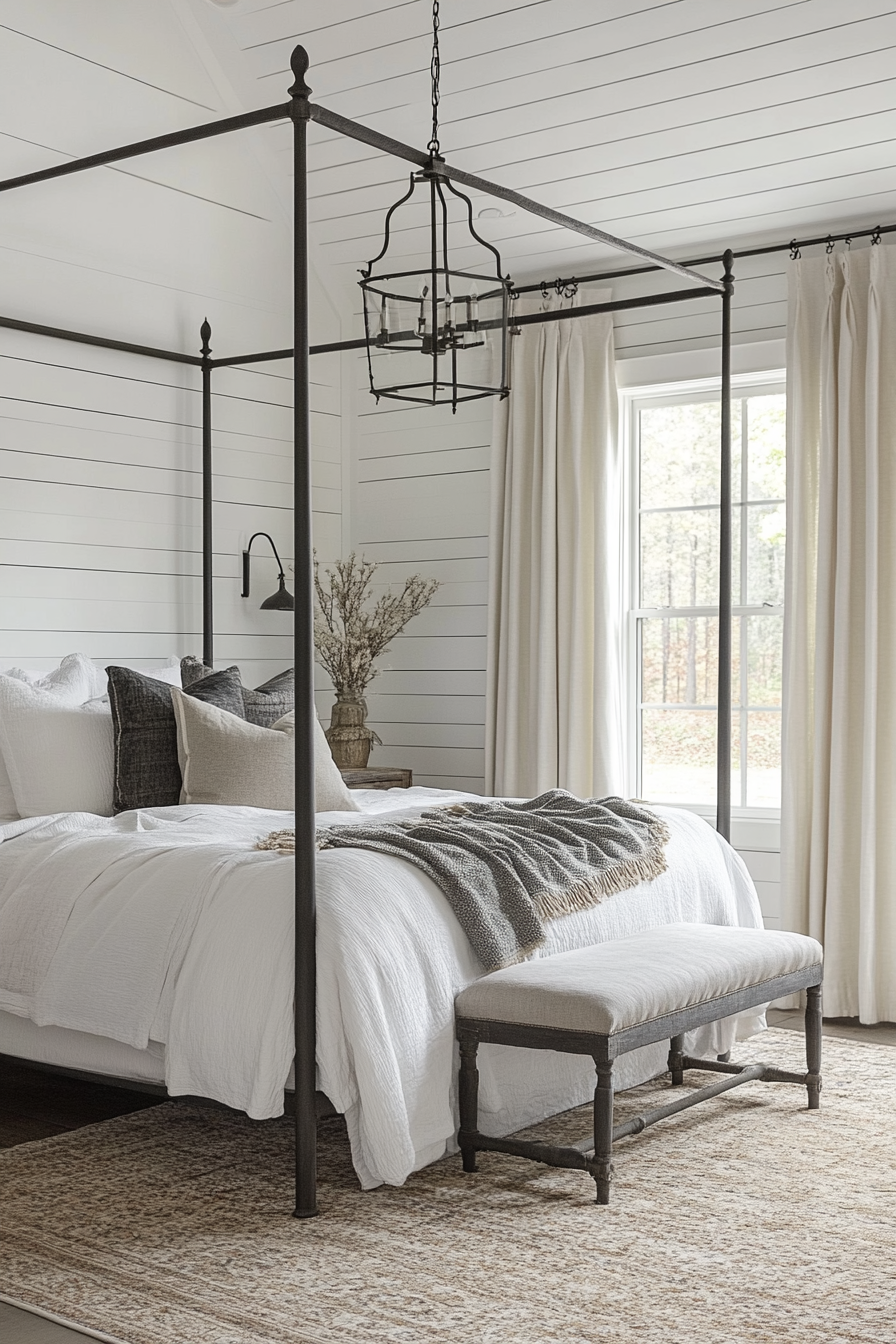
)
(674, 582)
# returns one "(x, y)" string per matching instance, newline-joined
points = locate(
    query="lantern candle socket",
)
(349, 635)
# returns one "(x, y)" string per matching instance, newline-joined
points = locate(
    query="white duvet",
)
(167, 925)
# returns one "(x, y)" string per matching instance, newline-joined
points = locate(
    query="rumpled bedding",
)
(167, 925)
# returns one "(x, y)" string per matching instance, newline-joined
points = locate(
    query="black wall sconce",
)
(279, 601)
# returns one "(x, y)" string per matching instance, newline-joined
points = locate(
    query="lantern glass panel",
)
(467, 352)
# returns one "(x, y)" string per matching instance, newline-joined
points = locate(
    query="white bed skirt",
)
(80, 1050)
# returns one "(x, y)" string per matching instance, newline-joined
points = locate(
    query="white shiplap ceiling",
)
(678, 124)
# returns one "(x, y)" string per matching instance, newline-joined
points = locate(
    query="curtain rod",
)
(522, 320)
(793, 246)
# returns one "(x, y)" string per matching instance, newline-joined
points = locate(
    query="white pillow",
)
(71, 683)
(169, 672)
(226, 761)
(59, 755)
(75, 680)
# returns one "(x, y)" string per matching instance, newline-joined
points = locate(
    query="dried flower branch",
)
(348, 634)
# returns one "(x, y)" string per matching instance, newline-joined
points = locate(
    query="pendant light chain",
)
(434, 310)
(434, 70)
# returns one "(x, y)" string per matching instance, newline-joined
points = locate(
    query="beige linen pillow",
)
(229, 762)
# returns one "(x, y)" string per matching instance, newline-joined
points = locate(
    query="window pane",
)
(765, 554)
(765, 637)
(678, 756)
(764, 759)
(679, 660)
(680, 454)
(680, 559)
(765, 455)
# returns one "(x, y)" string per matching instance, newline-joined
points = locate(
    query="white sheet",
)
(166, 925)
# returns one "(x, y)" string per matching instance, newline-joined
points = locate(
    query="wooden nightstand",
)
(385, 777)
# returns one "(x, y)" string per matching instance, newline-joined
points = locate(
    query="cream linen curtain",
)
(553, 715)
(839, 749)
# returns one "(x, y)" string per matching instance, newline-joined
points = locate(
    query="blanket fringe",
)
(284, 842)
(585, 893)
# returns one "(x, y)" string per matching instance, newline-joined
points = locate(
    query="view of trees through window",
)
(677, 616)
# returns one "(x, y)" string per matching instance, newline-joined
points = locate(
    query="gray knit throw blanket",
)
(507, 867)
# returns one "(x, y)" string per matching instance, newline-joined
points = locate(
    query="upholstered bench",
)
(606, 1000)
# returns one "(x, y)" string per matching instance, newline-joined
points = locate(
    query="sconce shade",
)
(282, 600)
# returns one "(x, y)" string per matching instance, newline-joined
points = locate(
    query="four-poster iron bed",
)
(300, 111)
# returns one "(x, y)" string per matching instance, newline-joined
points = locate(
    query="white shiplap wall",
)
(100, 456)
(420, 505)
(100, 508)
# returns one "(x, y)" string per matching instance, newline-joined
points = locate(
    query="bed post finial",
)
(728, 263)
(299, 61)
(205, 335)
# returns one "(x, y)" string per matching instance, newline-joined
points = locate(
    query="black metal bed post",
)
(305, 916)
(208, 637)
(723, 750)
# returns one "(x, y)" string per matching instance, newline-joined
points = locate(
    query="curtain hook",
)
(848, 241)
(875, 235)
(795, 252)
(829, 245)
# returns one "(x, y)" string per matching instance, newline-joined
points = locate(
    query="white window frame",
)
(631, 401)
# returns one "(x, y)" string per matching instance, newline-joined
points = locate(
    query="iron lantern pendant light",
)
(442, 313)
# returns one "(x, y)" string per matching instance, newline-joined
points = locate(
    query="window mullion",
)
(668, 761)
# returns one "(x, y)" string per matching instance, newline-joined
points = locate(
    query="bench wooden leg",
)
(468, 1098)
(813, 1046)
(676, 1060)
(601, 1166)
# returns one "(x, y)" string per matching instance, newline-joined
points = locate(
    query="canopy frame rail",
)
(300, 111)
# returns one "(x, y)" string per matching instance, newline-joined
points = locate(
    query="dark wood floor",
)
(35, 1104)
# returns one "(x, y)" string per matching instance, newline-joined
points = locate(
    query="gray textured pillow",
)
(263, 706)
(147, 773)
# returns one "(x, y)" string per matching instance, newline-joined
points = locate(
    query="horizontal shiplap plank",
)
(394, 555)
(431, 681)
(410, 652)
(427, 513)
(460, 621)
(436, 465)
(455, 783)
(466, 761)
(421, 710)
(429, 735)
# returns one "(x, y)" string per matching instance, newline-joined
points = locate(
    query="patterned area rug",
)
(746, 1219)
